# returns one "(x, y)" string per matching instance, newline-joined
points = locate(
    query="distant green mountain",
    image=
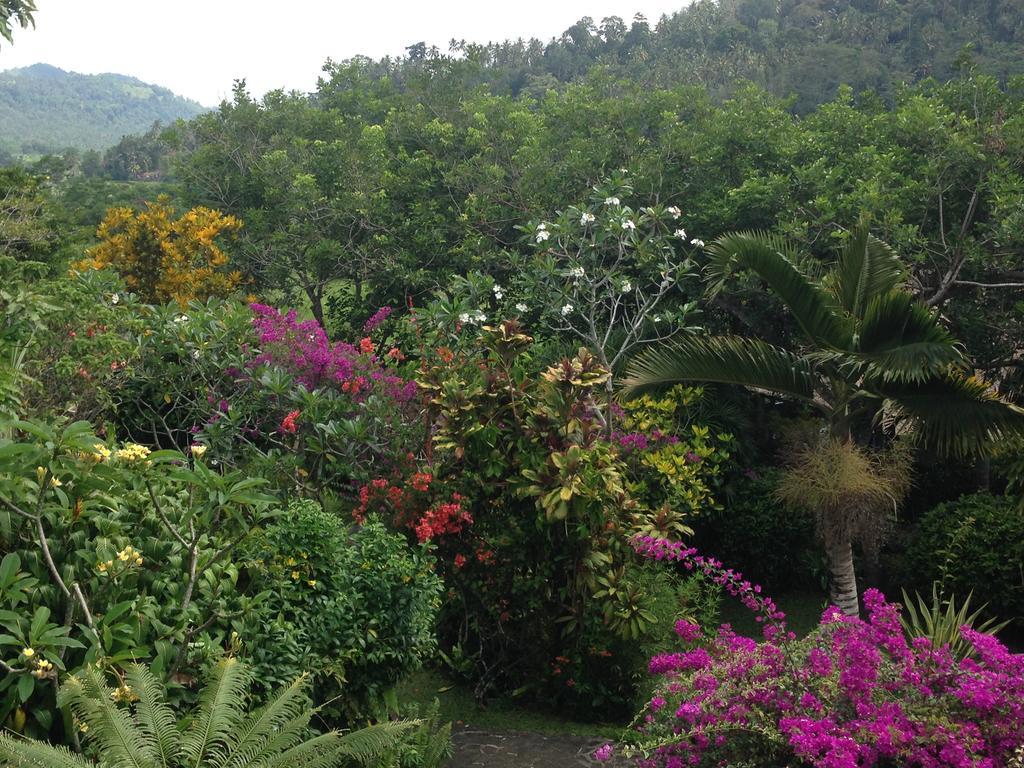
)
(45, 109)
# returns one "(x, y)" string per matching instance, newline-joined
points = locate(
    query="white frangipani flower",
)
(542, 235)
(674, 211)
(628, 225)
(587, 218)
(520, 307)
(567, 310)
(464, 318)
(612, 201)
(577, 272)
(680, 233)
(627, 287)
(181, 319)
(697, 242)
(114, 299)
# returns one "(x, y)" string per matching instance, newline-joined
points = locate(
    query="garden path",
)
(517, 749)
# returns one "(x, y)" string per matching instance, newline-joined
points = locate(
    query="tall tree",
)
(871, 354)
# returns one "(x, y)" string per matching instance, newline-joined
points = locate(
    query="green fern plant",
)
(221, 733)
(428, 746)
(940, 620)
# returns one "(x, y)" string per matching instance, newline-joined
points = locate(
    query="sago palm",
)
(871, 354)
(221, 733)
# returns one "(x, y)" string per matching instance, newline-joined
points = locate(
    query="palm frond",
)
(335, 749)
(24, 753)
(220, 710)
(725, 360)
(112, 728)
(774, 260)
(902, 340)
(154, 715)
(954, 414)
(867, 269)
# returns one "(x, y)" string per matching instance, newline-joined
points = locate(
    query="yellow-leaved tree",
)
(163, 258)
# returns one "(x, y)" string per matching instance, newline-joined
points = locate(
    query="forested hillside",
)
(45, 109)
(804, 48)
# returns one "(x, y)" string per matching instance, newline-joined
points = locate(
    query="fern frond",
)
(287, 706)
(155, 717)
(110, 727)
(334, 749)
(220, 710)
(24, 753)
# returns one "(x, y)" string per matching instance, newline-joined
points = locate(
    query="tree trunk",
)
(316, 305)
(842, 579)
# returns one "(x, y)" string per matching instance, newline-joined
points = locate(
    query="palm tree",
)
(871, 354)
(221, 734)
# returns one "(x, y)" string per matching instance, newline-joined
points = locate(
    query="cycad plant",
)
(134, 727)
(870, 354)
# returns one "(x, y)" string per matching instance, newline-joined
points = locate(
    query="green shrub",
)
(355, 608)
(755, 533)
(975, 543)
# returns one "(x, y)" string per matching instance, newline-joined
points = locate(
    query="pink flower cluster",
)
(854, 694)
(376, 319)
(303, 349)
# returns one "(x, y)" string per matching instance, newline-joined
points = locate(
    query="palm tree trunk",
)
(843, 580)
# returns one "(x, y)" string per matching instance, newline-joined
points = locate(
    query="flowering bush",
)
(854, 693)
(529, 509)
(129, 548)
(163, 258)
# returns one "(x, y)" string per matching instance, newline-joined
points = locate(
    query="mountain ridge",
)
(44, 108)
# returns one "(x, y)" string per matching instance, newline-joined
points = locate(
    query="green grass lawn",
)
(458, 706)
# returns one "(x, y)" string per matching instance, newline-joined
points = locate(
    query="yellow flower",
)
(198, 450)
(101, 452)
(132, 452)
(295, 575)
(55, 482)
(101, 567)
(290, 561)
(28, 653)
(83, 727)
(312, 582)
(40, 473)
(138, 561)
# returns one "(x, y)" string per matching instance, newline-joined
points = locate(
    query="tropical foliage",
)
(134, 725)
(871, 354)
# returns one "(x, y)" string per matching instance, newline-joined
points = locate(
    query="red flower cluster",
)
(366, 345)
(445, 518)
(288, 423)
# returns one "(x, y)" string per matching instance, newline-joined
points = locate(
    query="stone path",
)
(510, 749)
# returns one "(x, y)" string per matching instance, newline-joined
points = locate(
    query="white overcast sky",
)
(198, 47)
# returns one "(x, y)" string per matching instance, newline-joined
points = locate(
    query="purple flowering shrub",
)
(855, 693)
(311, 412)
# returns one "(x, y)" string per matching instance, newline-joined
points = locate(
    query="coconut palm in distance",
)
(871, 354)
(221, 733)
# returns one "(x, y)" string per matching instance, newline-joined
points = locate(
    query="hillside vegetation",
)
(45, 109)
